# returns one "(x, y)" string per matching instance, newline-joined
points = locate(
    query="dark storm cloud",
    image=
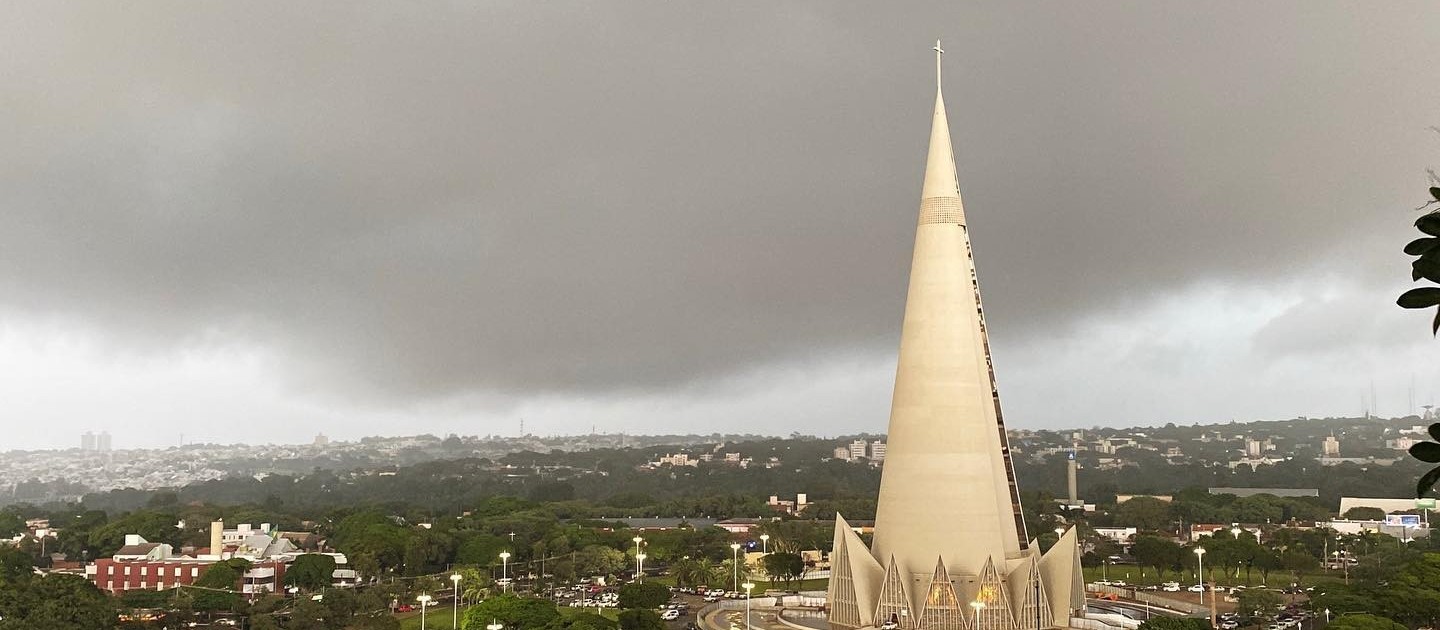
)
(519, 198)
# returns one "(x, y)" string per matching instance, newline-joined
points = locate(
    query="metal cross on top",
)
(938, 51)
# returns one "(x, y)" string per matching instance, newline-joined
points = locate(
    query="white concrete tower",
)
(950, 550)
(947, 489)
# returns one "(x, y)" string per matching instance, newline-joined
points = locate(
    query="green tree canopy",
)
(783, 567)
(516, 613)
(640, 619)
(1258, 602)
(311, 571)
(643, 595)
(1361, 621)
(55, 602)
(1175, 623)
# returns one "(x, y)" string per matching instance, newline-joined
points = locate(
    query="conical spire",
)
(940, 180)
(947, 488)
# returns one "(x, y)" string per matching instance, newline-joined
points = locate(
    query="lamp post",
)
(424, 603)
(494, 625)
(978, 606)
(455, 602)
(735, 566)
(765, 544)
(639, 557)
(1200, 557)
(640, 567)
(504, 571)
(747, 586)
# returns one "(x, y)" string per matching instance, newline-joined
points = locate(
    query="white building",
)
(877, 451)
(858, 449)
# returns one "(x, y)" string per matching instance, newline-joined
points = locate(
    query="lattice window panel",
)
(894, 605)
(1034, 611)
(844, 609)
(943, 608)
(991, 591)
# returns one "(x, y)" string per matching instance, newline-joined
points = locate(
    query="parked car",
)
(670, 614)
(1196, 588)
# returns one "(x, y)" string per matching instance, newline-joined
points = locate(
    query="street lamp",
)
(455, 602)
(637, 540)
(494, 625)
(1200, 556)
(424, 603)
(735, 565)
(747, 586)
(978, 606)
(765, 544)
(504, 571)
(640, 567)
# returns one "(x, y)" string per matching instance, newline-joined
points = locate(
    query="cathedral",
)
(950, 550)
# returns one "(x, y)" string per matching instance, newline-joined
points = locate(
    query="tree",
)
(1298, 562)
(784, 567)
(1365, 514)
(224, 575)
(311, 571)
(1363, 621)
(1265, 561)
(54, 602)
(598, 560)
(1175, 623)
(643, 595)
(1156, 552)
(640, 619)
(1258, 602)
(1146, 513)
(517, 613)
(589, 621)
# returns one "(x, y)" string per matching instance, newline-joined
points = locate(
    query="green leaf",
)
(1429, 224)
(1426, 452)
(1427, 482)
(1421, 245)
(1427, 267)
(1435, 192)
(1435, 431)
(1423, 297)
(1435, 330)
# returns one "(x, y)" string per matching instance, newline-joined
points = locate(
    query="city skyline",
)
(687, 222)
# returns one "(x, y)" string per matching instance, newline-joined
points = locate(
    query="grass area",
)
(436, 618)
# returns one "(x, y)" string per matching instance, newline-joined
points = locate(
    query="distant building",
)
(1401, 443)
(321, 439)
(877, 451)
(739, 525)
(1117, 534)
(858, 449)
(677, 459)
(1389, 506)
(1253, 447)
(1200, 530)
(1331, 447)
(102, 442)
(87, 442)
(1121, 498)
(842, 453)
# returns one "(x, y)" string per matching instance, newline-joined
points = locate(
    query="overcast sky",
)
(253, 221)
